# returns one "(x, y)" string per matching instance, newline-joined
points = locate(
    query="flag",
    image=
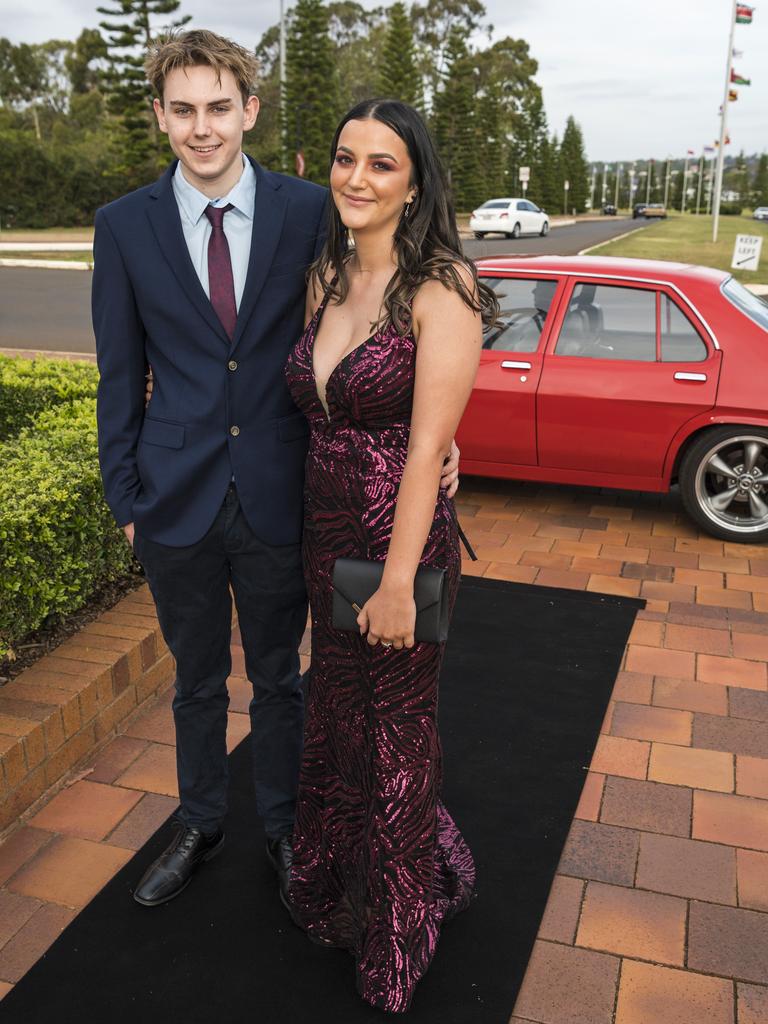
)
(732, 95)
(737, 53)
(709, 149)
(690, 152)
(737, 79)
(744, 14)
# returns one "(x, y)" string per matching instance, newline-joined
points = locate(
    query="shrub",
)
(58, 540)
(28, 386)
(730, 209)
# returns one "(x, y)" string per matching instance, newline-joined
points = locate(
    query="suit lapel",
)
(163, 214)
(268, 216)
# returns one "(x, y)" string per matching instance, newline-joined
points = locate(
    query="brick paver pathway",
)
(659, 911)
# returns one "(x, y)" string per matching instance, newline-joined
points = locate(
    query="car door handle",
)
(690, 376)
(511, 364)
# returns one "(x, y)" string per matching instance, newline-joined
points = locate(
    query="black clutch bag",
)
(355, 580)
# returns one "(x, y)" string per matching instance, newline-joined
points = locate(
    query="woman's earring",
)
(407, 208)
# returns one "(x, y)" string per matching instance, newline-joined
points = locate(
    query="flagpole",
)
(616, 196)
(685, 184)
(723, 117)
(701, 174)
(666, 186)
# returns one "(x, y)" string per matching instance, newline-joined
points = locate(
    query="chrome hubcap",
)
(732, 484)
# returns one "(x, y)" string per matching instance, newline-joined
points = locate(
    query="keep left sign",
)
(746, 252)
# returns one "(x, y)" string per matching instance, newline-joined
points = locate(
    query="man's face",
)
(204, 118)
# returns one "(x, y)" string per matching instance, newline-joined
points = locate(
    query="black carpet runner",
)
(527, 676)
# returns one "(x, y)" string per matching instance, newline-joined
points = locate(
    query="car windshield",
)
(749, 304)
(495, 204)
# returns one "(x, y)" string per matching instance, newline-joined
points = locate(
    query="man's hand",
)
(449, 478)
(128, 531)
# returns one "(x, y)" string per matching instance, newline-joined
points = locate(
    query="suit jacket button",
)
(234, 431)
(232, 364)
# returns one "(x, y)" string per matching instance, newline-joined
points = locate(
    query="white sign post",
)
(746, 252)
(525, 177)
(566, 186)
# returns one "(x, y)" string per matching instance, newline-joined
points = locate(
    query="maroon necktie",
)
(220, 282)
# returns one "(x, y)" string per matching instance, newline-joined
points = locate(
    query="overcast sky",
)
(644, 79)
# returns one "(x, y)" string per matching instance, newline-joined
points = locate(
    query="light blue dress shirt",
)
(238, 224)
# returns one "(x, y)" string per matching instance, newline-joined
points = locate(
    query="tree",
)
(454, 124)
(551, 175)
(128, 91)
(434, 22)
(529, 146)
(88, 48)
(311, 104)
(574, 166)
(399, 76)
(760, 182)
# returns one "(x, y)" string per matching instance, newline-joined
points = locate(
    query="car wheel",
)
(515, 232)
(479, 234)
(724, 483)
(544, 229)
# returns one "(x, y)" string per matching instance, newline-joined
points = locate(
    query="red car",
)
(633, 374)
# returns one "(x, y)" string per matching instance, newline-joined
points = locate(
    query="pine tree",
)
(491, 144)
(398, 74)
(454, 124)
(760, 183)
(552, 175)
(530, 147)
(131, 28)
(574, 166)
(311, 107)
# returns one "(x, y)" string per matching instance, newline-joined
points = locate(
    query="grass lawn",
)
(688, 239)
(81, 257)
(47, 234)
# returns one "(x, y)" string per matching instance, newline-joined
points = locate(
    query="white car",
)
(511, 217)
(761, 213)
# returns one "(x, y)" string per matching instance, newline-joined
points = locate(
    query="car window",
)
(607, 322)
(680, 341)
(495, 204)
(749, 304)
(524, 304)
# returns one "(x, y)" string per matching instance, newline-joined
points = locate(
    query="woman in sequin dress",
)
(379, 865)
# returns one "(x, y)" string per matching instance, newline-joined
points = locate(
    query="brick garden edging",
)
(61, 709)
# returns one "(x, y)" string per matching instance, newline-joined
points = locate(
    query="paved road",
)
(49, 310)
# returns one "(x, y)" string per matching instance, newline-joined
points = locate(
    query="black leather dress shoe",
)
(172, 872)
(280, 856)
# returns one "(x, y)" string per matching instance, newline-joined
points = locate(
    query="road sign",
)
(566, 184)
(525, 174)
(746, 252)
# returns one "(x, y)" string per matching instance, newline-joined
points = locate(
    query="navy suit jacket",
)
(218, 409)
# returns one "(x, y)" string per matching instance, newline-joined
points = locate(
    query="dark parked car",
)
(638, 209)
(608, 210)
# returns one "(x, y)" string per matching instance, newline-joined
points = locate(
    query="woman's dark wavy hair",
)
(427, 241)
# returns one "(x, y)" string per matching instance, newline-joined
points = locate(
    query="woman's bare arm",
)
(449, 337)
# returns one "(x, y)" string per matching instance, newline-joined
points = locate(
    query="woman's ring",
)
(386, 643)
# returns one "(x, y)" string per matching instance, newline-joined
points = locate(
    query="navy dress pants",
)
(193, 587)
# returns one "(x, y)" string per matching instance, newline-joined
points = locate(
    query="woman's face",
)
(371, 175)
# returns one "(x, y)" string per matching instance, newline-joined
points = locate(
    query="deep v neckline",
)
(318, 315)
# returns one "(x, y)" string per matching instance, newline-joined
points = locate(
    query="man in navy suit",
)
(201, 277)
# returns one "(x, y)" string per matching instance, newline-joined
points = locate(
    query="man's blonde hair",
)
(200, 48)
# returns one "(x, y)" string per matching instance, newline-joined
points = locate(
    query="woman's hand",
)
(389, 617)
(449, 478)
(148, 386)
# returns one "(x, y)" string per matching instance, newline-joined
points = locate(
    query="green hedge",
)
(58, 540)
(28, 386)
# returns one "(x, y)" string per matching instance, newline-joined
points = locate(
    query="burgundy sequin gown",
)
(379, 864)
